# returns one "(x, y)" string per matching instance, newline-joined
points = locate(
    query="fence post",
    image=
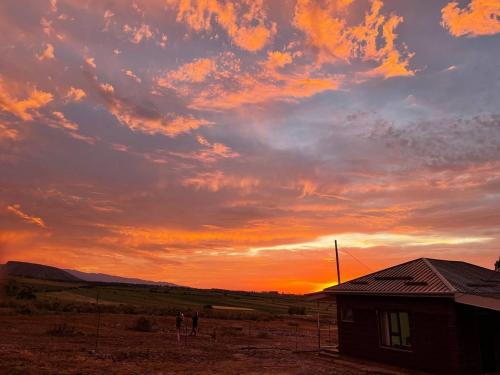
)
(297, 337)
(98, 321)
(319, 331)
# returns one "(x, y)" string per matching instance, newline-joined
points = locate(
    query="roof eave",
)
(388, 294)
(478, 301)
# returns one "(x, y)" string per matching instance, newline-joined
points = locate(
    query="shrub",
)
(62, 330)
(263, 335)
(143, 324)
(297, 310)
(231, 331)
(26, 293)
(11, 288)
(24, 309)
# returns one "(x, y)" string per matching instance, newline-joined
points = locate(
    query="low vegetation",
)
(143, 324)
(62, 330)
(32, 296)
(297, 310)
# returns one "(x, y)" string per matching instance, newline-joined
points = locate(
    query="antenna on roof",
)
(338, 265)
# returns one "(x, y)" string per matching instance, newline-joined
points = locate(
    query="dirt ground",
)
(242, 347)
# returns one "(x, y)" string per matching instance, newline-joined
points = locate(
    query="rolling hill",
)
(40, 271)
(36, 271)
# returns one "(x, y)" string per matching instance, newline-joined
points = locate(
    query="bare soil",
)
(36, 344)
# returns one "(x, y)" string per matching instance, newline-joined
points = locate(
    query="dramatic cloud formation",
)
(24, 109)
(224, 143)
(244, 21)
(326, 26)
(480, 17)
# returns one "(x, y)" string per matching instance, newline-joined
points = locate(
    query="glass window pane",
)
(394, 323)
(405, 329)
(396, 341)
(384, 329)
(346, 314)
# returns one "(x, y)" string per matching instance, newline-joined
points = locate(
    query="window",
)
(346, 314)
(395, 329)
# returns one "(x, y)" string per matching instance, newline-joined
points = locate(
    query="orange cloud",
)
(75, 94)
(193, 72)
(23, 109)
(229, 87)
(47, 54)
(325, 24)
(91, 62)
(7, 132)
(171, 125)
(59, 121)
(16, 210)
(131, 74)
(215, 181)
(480, 17)
(244, 21)
(214, 151)
(106, 87)
(138, 34)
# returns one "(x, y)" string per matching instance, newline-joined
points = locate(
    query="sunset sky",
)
(218, 143)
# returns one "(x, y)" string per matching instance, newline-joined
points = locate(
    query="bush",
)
(297, 310)
(24, 309)
(11, 288)
(143, 324)
(62, 330)
(263, 335)
(26, 293)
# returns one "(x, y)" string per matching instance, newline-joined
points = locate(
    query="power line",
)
(357, 260)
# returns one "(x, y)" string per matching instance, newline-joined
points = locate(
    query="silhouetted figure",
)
(194, 329)
(178, 324)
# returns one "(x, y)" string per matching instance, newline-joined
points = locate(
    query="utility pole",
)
(98, 321)
(338, 265)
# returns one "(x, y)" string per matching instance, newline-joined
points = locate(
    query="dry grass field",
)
(51, 328)
(29, 345)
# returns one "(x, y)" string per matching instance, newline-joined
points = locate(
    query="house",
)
(434, 315)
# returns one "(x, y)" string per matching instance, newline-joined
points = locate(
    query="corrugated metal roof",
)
(425, 276)
(468, 278)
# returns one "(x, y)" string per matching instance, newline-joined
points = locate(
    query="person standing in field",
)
(178, 325)
(194, 318)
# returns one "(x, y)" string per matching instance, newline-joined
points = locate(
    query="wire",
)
(357, 260)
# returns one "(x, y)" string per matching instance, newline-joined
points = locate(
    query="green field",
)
(68, 296)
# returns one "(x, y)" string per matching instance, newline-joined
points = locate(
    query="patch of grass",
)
(62, 330)
(146, 300)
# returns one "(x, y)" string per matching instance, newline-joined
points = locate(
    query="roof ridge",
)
(439, 275)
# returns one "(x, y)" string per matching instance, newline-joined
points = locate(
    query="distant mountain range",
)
(104, 278)
(40, 271)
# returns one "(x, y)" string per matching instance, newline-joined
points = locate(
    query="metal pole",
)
(297, 337)
(319, 332)
(98, 321)
(185, 332)
(338, 265)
